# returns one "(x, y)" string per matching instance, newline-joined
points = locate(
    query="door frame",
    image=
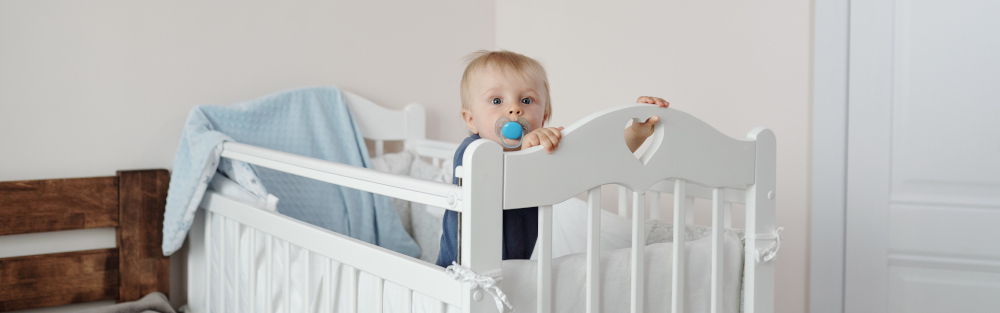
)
(852, 110)
(831, 42)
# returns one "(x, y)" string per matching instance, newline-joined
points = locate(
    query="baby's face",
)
(494, 94)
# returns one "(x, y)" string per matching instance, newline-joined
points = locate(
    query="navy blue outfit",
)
(520, 226)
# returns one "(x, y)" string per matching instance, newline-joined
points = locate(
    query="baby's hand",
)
(637, 134)
(653, 100)
(546, 137)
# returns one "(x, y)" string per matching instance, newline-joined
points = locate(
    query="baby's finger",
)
(645, 99)
(529, 141)
(546, 143)
(659, 102)
(648, 123)
(552, 138)
(556, 131)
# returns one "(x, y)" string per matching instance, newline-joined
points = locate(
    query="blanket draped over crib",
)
(313, 122)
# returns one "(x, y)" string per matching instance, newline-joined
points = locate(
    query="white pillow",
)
(422, 222)
(569, 230)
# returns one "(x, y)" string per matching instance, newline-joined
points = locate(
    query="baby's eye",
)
(496, 101)
(526, 100)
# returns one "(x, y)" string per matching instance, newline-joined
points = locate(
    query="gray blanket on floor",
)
(154, 302)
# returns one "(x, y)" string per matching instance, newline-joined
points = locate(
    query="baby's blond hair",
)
(504, 60)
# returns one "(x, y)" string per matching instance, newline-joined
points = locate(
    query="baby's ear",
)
(471, 124)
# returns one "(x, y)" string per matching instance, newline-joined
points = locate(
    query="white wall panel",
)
(917, 290)
(946, 138)
(929, 230)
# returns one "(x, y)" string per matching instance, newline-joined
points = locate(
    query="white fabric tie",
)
(487, 281)
(764, 255)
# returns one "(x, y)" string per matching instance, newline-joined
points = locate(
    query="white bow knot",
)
(487, 281)
(764, 255)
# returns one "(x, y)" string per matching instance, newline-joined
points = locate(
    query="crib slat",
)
(379, 294)
(408, 301)
(237, 259)
(594, 250)
(544, 259)
(680, 213)
(305, 280)
(718, 216)
(224, 263)
(638, 251)
(253, 271)
(689, 205)
(622, 201)
(286, 268)
(379, 148)
(327, 294)
(268, 274)
(654, 205)
(352, 294)
(208, 260)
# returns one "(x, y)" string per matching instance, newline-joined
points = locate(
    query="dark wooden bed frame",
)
(132, 202)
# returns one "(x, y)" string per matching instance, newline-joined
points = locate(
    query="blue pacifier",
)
(507, 129)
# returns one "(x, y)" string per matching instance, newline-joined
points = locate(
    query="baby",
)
(506, 84)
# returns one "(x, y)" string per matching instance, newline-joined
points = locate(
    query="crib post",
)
(198, 263)
(482, 211)
(758, 278)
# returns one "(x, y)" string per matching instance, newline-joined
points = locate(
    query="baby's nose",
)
(516, 111)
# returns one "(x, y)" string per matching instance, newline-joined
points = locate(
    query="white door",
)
(922, 229)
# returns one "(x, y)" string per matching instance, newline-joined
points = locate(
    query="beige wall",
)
(90, 87)
(735, 65)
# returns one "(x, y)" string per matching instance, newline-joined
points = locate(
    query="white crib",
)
(686, 158)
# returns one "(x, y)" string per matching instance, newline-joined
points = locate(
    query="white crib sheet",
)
(308, 292)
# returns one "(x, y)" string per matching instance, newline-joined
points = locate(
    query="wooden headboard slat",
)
(143, 198)
(33, 206)
(56, 279)
(133, 202)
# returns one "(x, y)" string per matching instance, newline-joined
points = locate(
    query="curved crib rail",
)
(686, 154)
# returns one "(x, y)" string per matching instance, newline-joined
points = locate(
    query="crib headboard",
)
(684, 149)
(682, 146)
(380, 124)
(132, 202)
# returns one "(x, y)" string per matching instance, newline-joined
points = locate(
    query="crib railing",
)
(482, 189)
(684, 194)
(223, 216)
(403, 187)
(682, 215)
(735, 171)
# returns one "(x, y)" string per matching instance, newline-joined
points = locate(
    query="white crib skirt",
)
(327, 285)
(319, 284)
